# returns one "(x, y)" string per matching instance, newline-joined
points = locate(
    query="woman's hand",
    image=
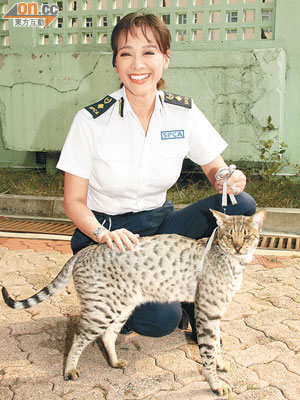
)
(122, 237)
(237, 179)
(235, 184)
(76, 189)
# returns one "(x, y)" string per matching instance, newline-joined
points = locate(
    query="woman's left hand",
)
(235, 184)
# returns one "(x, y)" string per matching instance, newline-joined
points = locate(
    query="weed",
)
(267, 192)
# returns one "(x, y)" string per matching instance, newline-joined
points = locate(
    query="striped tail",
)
(58, 283)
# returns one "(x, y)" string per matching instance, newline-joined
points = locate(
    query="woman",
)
(123, 153)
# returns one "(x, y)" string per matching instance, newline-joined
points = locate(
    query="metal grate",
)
(273, 242)
(270, 242)
(28, 226)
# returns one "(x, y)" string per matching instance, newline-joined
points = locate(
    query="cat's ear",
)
(220, 217)
(258, 218)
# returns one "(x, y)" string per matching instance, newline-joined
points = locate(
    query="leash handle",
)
(225, 173)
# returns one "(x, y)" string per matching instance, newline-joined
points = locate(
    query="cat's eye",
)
(250, 237)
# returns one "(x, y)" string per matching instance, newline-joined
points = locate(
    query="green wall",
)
(237, 84)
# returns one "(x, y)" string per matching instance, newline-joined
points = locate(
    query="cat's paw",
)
(120, 364)
(223, 366)
(222, 389)
(72, 375)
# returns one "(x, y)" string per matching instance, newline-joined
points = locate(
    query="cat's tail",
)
(58, 283)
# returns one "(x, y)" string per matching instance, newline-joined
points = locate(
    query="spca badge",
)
(166, 135)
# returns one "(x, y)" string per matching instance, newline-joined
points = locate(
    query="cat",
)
(163, 268)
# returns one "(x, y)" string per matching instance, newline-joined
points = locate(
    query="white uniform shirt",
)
(128, 171)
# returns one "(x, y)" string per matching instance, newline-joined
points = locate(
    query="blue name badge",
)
(166, 135)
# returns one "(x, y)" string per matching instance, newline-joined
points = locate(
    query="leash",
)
(208, 246)
(224, 174)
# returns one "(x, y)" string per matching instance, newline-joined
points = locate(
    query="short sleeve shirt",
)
(127, 170)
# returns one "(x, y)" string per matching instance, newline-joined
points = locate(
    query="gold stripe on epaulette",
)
(178, 100)
(100, 106)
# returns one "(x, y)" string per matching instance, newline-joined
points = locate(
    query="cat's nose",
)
(237, 248)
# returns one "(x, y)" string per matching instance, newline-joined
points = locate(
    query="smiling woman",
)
(125, 151)
(140, 64)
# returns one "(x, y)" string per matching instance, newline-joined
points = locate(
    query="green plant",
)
(271, 154)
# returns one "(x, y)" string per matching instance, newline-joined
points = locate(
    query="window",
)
(214, 34)
(215, 16)
(248, 34)
(166, 18)
(198, 18)
(102, 38)
(103, 5)
(197, 35)
(58, 39)
(133, 4)
(232, 16)
(181, 19)
(266, 15)
(181, 36)
(249, 15)
(231, 34)
(117, 18)
(89, 22)
(44, 39)
(73, 38)
(87, 5)
(150, 3)
(73, 22)
(118, 4)
(87, 38)
(266, 33)
(103, 20)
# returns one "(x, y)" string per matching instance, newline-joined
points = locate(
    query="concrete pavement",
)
(261, 338)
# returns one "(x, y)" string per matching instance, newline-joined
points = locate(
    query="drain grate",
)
(270, 242)
(273, 242)
(28, 226)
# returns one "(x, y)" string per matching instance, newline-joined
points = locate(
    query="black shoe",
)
(188, 316)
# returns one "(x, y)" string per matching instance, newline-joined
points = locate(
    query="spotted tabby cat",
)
(110, 284)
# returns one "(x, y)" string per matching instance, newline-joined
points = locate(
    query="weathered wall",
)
(236, 84)
(236, 90)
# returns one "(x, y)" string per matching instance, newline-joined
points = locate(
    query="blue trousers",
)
(194, 221)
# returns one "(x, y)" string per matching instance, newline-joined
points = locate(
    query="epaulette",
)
(100, 106)
(178, 100)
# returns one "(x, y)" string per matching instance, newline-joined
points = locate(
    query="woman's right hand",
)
(121, 237)
(75, 198)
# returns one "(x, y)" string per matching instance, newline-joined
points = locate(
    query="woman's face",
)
(140, 63)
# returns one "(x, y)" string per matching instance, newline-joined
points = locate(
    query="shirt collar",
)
(126, 107)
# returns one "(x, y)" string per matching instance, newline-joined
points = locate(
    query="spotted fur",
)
(111, 283)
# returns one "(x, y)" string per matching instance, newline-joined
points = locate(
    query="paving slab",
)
(260, 331)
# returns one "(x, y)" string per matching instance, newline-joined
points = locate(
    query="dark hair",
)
(141, 19)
